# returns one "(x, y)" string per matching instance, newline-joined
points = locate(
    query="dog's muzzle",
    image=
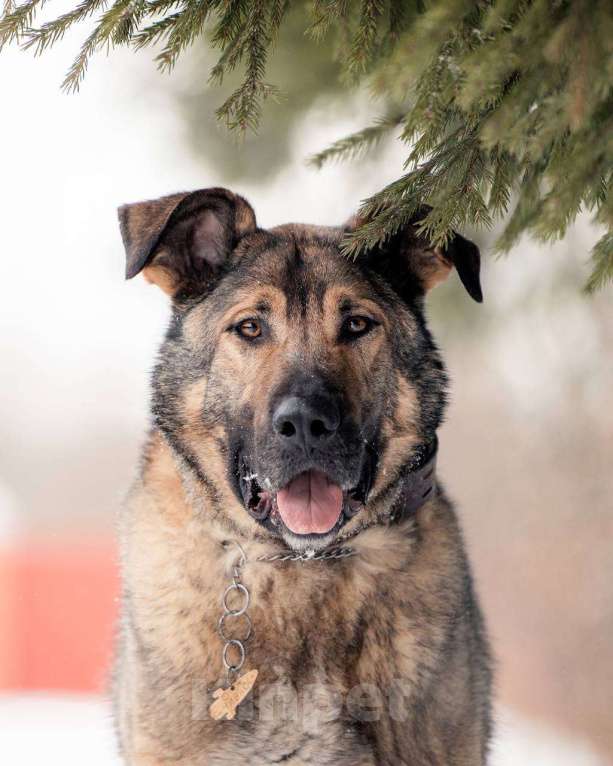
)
(312, 503)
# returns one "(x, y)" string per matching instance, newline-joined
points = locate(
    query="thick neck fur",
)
(326, 628)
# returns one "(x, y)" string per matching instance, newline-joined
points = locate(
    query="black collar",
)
(418, 485)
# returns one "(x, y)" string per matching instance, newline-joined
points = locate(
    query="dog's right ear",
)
(181, 242)
(413, 265)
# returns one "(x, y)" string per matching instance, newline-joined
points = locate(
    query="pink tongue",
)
(310, 503)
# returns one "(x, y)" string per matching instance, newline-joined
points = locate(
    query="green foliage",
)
(305, 72)
(505, 106)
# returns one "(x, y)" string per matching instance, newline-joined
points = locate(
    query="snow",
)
(56, 731)
(73, 730)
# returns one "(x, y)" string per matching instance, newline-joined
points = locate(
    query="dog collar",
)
(418, 484)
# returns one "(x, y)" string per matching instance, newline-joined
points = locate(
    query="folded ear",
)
(181, 242)
(414, 266)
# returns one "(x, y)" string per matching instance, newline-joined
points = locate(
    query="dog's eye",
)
(355, 326)
(249, 328)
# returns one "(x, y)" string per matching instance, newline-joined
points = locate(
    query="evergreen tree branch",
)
(102, 35)
(152, 34)
(242, 109)
(602, 264)
(16, 19)
(357, 144)
(187, 27)
(364, 42)
(506, 105)
(325, 14)
(47, 35)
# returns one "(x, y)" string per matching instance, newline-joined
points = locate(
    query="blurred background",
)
(527, 451)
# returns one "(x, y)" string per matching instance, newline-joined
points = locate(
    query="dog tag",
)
(227, 700)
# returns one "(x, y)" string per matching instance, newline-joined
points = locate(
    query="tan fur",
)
(159, 275)
(245, 218)
(433, 267)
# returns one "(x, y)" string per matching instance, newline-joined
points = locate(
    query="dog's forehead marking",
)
(302, 267)
(306, 263)
(295, 274)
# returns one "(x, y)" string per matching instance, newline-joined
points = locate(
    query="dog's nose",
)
(304, 421)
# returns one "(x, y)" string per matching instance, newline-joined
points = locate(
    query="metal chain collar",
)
(232, 644)
(325, 555)
(235, 613)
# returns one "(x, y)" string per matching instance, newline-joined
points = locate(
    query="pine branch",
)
(152, 34)
(102, 35)
(503, 104)
(278, 9)
(364, 42)
(16, 19)
(325, 14)
(155, 31)
(399, 13)
(47, 35)
(76, 73)
(232, 22)
(377, 230)
(357, 144)
(127, 22)
(504, 177)
(602, 260)
(526, 208)
(187, 27)
(242, 109)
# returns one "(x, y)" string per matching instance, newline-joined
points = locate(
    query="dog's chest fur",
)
(348, 651)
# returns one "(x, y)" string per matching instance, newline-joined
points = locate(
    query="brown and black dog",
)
(295, 406)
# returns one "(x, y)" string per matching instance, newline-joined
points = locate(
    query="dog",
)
(295, 584)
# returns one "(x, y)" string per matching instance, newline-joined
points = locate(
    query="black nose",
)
(306, 422)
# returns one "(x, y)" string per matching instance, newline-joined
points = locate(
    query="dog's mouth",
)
(310, 504)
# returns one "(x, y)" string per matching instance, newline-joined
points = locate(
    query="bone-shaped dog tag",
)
(227, 700)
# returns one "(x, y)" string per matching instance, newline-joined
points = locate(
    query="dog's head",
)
(295, 384)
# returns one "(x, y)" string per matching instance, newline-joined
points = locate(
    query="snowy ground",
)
(67, 731)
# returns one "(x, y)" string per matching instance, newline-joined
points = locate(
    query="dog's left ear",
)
(181, 242)
(413, 266)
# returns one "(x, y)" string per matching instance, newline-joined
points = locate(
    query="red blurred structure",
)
(58, 609)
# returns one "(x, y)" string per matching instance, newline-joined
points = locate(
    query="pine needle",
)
(357, 144)
(602, 264)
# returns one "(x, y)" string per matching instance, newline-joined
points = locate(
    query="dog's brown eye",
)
(249, 328)
(355, 326)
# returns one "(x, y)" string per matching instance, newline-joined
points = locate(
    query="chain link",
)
(237, 645)
(331, 553)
